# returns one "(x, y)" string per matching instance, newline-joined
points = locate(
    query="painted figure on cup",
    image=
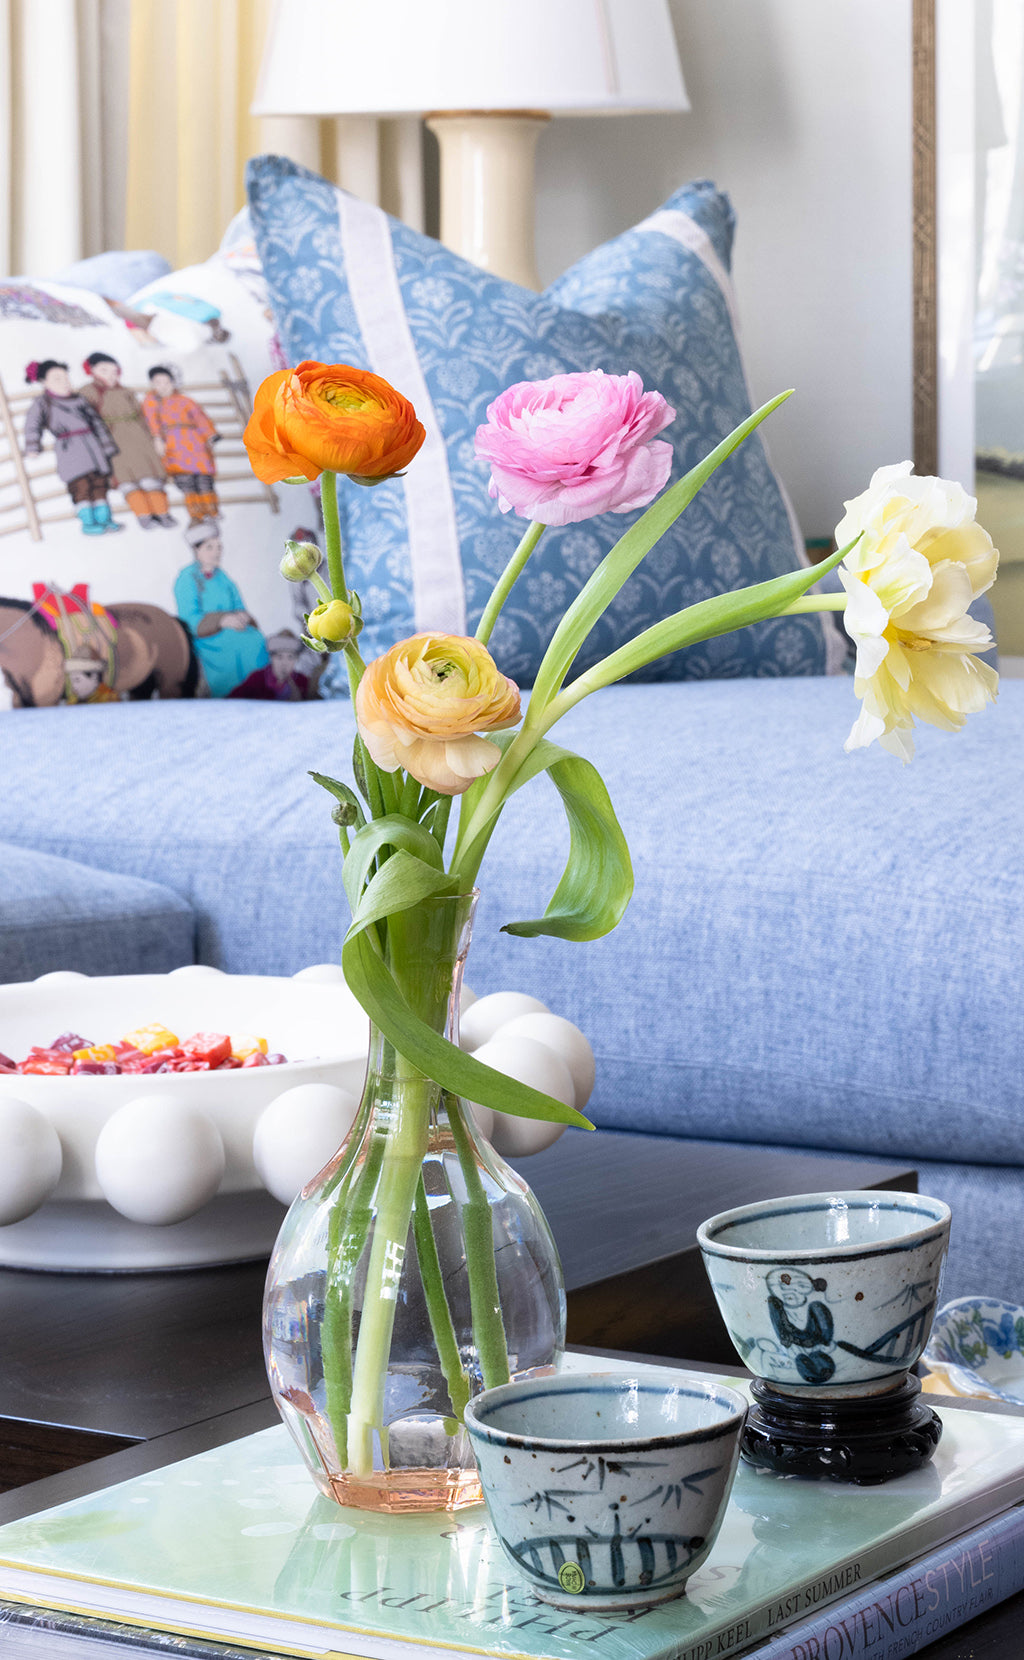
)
(137, 469)
(184, 437)
(209, 603)
(792, 1292)
(83, 443)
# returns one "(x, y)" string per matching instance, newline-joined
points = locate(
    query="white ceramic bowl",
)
(828, 1292)
(167, 1170)
(607, 1489)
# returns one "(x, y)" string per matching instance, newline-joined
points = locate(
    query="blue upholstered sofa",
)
(824, 951)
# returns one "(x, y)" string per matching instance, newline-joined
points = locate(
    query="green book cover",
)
(236, 1544)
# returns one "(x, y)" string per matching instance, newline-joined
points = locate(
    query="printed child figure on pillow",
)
(83, 443)
(184, 436)
(138, 470)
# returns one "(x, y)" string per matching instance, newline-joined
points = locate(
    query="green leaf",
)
(628, 552)
(390, 831)
(400, 883)
(370, 981)
(704, 621)
(597, 883)
(341, 792)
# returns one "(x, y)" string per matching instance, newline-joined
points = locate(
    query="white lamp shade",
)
(391, 57)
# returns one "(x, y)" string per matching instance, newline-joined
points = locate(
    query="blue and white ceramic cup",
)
(828, 1293)
(607, 1489)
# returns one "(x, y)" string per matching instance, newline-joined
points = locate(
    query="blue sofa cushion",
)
(823, 950)
(349, 284)
(58, 914)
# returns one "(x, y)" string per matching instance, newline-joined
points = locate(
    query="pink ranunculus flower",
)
(565, 449)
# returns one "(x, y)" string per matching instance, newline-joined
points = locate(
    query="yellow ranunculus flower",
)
(920, 562)
(422, 705)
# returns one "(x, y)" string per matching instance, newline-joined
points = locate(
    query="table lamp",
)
(487, 75)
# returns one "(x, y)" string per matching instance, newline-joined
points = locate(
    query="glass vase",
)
(415, 1270)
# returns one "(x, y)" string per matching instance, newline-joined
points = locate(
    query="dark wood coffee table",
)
(105, 1377)
(95, 1362)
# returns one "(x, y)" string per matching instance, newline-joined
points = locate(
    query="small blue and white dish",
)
(829, 1295)
(607, 1489)
(979, 1343)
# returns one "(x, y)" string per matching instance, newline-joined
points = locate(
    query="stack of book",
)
(234, 1547)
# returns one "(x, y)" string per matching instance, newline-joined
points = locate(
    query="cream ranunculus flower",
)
(920, 562)
(422, 705)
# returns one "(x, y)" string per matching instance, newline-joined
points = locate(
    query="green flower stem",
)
(374, 785)
(387, 795)
(405, 1140)
(408, 800)
(478, 1229)
(347, 1230)
(815, 602)
(441, 817)
(479, 814)
(320, 585)
(507, 580)
(332, 536)
(441, 1325)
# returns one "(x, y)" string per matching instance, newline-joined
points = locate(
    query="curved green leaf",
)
(373, 986)
(402, 881)
(390, 831)
(597, 883)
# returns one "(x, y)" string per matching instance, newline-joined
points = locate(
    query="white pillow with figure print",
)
(138, 554)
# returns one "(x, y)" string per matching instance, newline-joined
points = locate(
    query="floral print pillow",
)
(349, 284)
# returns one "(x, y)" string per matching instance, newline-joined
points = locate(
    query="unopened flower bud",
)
(300, 561)
(333, 622)
(344, 814)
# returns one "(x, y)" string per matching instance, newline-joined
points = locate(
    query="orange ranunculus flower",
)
(422, 705)
(330, 418)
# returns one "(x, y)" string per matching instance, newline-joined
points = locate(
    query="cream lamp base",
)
(487, 188)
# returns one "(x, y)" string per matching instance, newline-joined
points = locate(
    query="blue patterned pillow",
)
(349, 284)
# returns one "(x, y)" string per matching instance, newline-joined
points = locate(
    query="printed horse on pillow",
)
(147, 653)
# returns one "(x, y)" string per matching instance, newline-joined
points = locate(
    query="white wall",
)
(801, 110)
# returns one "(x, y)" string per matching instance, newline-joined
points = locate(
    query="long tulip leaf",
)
(629, 551)
(722, 614)
(372, 984)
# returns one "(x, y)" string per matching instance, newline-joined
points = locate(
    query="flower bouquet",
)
(417, 1268)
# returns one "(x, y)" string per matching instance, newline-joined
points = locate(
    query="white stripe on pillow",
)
(439, 600)
(681, 228)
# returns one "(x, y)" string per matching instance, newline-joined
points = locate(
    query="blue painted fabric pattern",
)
(349, 284)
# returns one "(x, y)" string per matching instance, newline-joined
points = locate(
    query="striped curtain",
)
(63, 131)
(193, 68)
